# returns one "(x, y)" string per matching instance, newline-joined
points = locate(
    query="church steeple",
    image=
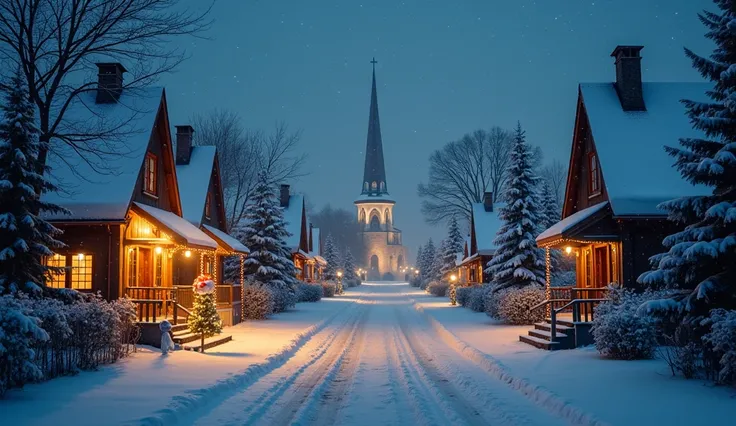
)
(374, 174)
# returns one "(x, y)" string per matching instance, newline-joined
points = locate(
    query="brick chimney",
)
(488, 201)
(628, 77)
(109, 82)
(184, 135)
(284, 195)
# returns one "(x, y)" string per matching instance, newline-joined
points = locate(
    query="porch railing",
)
(155, 303)
(578, 306)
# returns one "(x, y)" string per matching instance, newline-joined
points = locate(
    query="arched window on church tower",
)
(365, 186)
(383, 186)
(374, 185)
(387, 218)
(375, 223)
(362, 216)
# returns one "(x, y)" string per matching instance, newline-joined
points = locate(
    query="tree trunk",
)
(201, 349)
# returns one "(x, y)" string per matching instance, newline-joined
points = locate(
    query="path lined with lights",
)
(378, 362)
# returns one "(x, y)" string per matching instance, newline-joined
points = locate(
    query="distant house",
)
(316, 263)
(203, 205)
(479, 247)
(619, 173)
(295, 215)
(126, 234)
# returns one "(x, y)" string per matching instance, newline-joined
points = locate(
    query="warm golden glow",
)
(188, 253)
(339, 273)
(453, 277)
(80, 256)
(158, 250)
(568, 249)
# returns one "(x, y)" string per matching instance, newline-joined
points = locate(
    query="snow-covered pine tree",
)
(204, 319)
(264, 232)
(429, 259)
(518, 261)
(420, 258)
(446, 259)
(551, 217)
(702, 257)
(25, 238)
(332, 256)
(455, 237)
(232, 263)
(349, 267)
(439, 261)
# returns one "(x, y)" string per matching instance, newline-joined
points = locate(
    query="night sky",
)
(445, 68)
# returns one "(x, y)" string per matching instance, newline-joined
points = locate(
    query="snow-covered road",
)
(379, 361)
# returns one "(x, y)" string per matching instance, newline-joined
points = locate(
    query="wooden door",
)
(602, 267)
(145, 267)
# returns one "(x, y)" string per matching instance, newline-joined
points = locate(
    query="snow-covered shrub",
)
(462, 294)
(94, 325)
(619, 332)
(329, 288)
(354, 282)
(309, 292)
(416, 281)
(492, 301)
(283, 298)
(438, 288)
(475, 300)
(721, 339)
(423, 284)
(258, 301)
(515, 305)
(19, 334)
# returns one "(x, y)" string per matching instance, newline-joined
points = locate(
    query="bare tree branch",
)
(555, 174)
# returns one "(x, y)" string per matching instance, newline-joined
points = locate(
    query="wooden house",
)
(203, 205)
(125, 234)
(295, 215)
(316, 263)
(618, 174)
(479, 248)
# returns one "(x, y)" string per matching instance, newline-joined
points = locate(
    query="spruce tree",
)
(332, 256)
(551, 217)
(349, 267)
(446, 259)
(25, 238)
(204, 319)
(420, 258)
(518, 262)
(263, 231)
(455, 237)
(702, 257)
(429, 261)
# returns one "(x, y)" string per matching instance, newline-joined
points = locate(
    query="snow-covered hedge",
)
(283, 298)
(492, 301)
(258, 301)
(416, 281)
(309, 292)
(44, 338)
(329, 288)
(514, 306)
(438, 288)
(463, 294)
(351, 282)
(619, 332)
(722, 341)
(475, 300)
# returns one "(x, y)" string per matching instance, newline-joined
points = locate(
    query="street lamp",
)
(453, 291)
(339, 282)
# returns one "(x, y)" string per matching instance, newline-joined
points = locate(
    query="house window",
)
(208, 265)
(132, 267)
(82, 271)
(594, 183)
(158, 269)
(149, 178)
(207, 205)
(56, 280)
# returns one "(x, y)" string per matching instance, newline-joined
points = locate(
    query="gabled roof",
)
(102, 189)
(636, 170)
(559, 229)
(485, 226)
(316, 250)
(178, 228)
(229, 242)
(194, 182)
(293, 215)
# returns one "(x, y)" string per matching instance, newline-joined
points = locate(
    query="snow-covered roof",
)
(178, 226)
(637, 172)
(316, 251)
(293, 218)
(367, 198)
(194, 181)
(487, 225)
(321, 260)
(232, 243)
(569, 222)
(469, 259)
(102, 188)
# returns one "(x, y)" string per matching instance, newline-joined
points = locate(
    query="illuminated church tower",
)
(384, 254)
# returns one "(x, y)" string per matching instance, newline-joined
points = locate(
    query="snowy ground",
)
(383, 354)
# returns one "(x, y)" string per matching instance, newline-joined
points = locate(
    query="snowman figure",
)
(167, 344)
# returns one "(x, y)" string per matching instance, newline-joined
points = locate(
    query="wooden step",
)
(548, 327)
(209, 342)
(539, 343)
(561, 322)
(546, 335)
(179, 327)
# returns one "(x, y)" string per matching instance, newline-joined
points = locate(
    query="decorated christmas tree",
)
(204, 319)
(518, 261)
(701, 259)
(25, 238)
(263, 231)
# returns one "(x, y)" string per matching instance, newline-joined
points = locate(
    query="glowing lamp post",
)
(453, 290)
(339, 282)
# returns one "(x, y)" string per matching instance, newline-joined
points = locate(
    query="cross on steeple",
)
(374, 62)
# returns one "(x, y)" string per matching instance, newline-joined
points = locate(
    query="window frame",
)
(594, 175)
(57, 261)
(86, 276)
(150, 177)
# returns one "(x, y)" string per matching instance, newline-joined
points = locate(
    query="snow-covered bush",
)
(423, 284)
(721, 339)
(619, 332)
(475, 300)
(416, 281)
(309, 292)
(19, 334)
(329, 288)
(515, 305)
(463, 294)
(354, 282)
(283, 298)
(438, 288)
(492, 301)
(258, 301)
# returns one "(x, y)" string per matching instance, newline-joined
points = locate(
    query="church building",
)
(384, 254)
